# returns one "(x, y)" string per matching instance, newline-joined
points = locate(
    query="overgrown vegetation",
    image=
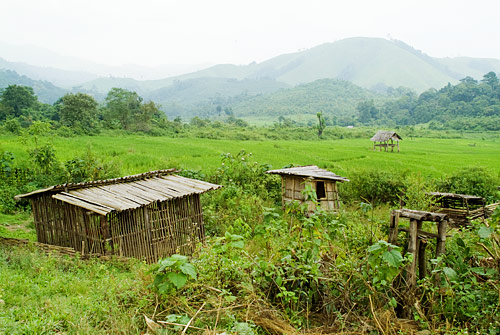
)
(263, 269)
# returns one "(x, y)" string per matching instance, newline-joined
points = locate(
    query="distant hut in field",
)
(323, 182)
(146, 216)
(386, 139)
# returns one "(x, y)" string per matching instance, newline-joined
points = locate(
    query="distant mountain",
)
(46, 92)
(332, 77)
(43, 58)
(63, 78)
(335, 98)
(373, 63)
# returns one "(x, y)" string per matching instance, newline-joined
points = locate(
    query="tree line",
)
(80, 113)
(468, 105)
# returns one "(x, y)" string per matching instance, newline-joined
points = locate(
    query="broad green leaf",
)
(483, 271)
(460, 242)
(485, 232)
(188, 269)
(393, 258)
(238, 244)
(450, 273)
(374, 247)
(178, 279)
(178, 258)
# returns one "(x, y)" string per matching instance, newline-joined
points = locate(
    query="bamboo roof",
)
(383, 136)
(309, 171)
(119, 194)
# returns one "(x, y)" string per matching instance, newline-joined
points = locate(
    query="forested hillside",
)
(470, 104)
(336, 99)
(46, 91)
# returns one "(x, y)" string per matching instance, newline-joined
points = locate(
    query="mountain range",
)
(374, 64)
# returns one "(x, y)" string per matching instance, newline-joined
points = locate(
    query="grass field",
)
(47, 294)
(135, 154)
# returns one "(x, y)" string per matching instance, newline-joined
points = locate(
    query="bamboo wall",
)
(292, 187)
(149, 233)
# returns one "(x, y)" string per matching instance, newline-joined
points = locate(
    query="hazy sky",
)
(153, 32)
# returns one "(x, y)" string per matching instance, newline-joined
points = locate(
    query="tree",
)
(121, 106)
(491, 79)
(367, 111)
(144, 115)
(78, 111)
(321, 124)
(16, 99)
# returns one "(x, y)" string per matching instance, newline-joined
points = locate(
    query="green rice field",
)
(135, 154)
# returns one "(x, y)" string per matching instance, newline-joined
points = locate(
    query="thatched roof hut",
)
(381, 139)
(323, 182)
(147, 216)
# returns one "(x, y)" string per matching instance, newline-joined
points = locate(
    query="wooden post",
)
(283, 191)
(421, 259)
(398, 145)
(441, 240)
(393, 228)
(411, 277)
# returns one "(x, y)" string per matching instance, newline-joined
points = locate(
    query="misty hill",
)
(333, 97)
(216, 90)
(63, 78)
(79, 70)
(46, 92)
(373, 63)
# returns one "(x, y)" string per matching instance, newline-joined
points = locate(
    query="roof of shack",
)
(130, 192)
(311, 171)
(383, 136)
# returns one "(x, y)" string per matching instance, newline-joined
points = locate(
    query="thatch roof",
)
(309, 171)
(383, 136)
(119, 194)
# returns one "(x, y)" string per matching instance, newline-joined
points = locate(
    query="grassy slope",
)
(135, 154)
(48, 295)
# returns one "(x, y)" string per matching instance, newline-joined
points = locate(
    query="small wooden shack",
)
(146, 216)
(462, 208)
(323, 182)
(386, 139)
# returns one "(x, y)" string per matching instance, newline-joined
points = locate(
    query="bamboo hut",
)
(146, 216)
(386, 139)
(323, 182)
(462, 208)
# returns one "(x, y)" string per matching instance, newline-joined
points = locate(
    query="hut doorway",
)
(320, 190)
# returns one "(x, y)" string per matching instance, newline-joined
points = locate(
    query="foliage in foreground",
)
(264, 266)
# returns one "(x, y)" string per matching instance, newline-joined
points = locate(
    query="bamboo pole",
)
(411, 279)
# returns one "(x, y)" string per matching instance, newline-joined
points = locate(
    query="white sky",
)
(154, 32)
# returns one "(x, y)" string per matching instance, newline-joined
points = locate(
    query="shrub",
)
(374, 186)
(473, 181)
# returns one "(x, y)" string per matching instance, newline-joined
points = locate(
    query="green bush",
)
(473, 181)
(374, 186)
